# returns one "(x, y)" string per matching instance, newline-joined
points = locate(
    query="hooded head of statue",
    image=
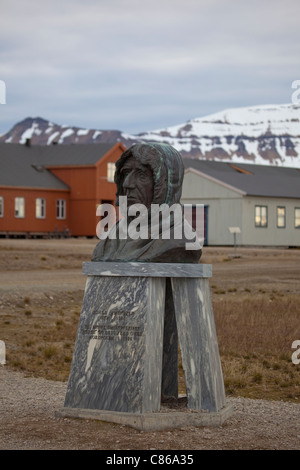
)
(150, 175)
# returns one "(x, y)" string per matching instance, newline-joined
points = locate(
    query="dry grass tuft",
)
(255, 336)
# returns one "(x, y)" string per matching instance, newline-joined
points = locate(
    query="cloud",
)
(140, 65)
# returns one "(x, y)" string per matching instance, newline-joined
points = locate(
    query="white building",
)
(262, 201)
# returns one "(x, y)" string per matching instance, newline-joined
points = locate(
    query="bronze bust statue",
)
(150, 174)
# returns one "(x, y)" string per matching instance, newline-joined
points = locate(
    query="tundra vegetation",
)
(256, 302)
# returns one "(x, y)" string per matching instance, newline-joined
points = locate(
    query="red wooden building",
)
(48, 190)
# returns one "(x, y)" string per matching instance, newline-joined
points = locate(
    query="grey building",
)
(263, 202)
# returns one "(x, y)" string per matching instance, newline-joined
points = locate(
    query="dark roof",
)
(27, 172)
(253, 180)
(25, 166)
(72, 154)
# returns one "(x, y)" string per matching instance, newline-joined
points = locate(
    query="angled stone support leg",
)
(198, 343)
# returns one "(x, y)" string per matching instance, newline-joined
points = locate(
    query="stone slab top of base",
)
(105, 268)
(152, 421)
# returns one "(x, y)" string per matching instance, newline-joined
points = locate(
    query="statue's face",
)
(137, 182)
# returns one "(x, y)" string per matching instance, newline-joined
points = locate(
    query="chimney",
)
(28, 142)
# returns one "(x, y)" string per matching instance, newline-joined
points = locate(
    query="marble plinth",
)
(126, 352)
(150, 422)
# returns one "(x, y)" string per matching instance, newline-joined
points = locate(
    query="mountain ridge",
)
(266, 134)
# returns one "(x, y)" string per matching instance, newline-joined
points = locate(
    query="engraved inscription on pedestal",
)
(113, 332)
(117, 358)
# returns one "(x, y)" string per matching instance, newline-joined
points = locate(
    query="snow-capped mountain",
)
(256, 134)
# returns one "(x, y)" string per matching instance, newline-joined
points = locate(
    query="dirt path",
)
(27, 421)
(41, 280)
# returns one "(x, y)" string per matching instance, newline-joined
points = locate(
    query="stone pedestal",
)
(117, 358)
(126, 351)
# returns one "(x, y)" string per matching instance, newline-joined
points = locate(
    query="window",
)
(297, 217)
(40, 208)
(1, 206)
(111, 168)
(261, 216)
(19, 207)
(60, 209)
(281, 217)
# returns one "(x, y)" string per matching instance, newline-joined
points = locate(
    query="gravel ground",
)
(28, 422)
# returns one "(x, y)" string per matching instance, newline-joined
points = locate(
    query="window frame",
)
(284, 217)
(295, 218)
(61, 209)
(260, 225)
(1, 206)
(111, 169)
(18, 199)
(42, 208)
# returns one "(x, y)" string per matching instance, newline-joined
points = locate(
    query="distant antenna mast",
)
(234, 230)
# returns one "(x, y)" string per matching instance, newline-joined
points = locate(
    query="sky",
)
(141, 65)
